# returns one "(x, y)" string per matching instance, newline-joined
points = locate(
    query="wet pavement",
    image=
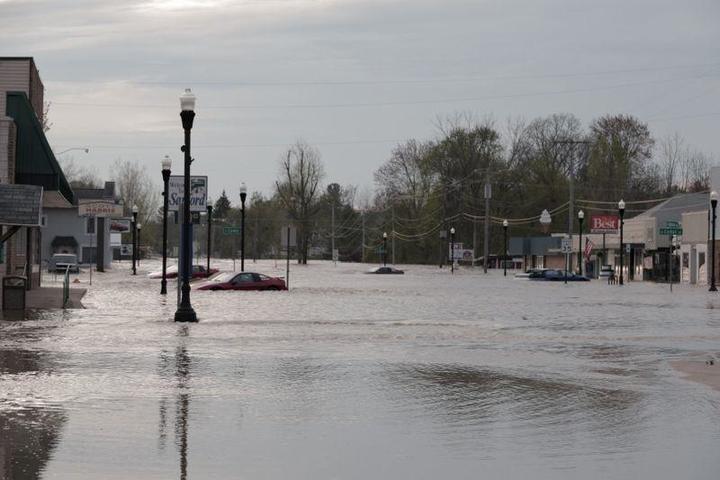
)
(355, 376)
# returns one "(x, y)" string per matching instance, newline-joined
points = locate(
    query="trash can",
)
(13, 292)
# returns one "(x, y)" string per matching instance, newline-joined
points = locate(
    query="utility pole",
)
(332, 210)
(392, 210)
(475, 250)
(255, 238)
(362, 244)
(486, 240)
(571, 188)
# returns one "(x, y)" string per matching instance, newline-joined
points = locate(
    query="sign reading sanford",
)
(604, 223)
(198, 193)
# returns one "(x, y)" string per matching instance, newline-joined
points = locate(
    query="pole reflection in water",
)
(177, 369)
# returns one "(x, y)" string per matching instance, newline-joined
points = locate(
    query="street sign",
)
(231, 230)
(628, 247)
(671, 228)
(566, 245)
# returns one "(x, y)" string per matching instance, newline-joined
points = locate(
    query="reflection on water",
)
(176, 371)
(29, 429)
(357, 376)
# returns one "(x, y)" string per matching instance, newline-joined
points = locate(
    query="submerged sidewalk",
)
(52, 297)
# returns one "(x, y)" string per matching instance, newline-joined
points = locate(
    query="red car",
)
(242, 281)
(198, 271)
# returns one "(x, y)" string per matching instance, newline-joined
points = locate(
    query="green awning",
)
(35, 162)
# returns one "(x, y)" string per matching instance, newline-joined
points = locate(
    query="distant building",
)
(67, 232)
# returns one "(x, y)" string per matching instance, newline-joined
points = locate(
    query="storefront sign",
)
(99, 208)
(604, 224)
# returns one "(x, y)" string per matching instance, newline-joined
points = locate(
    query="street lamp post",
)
(243, 196)
(621, 211)
(581, 217)
(384, 249)
(134, 238)
(139, 227)
(166, 164)
(185, 312)
(505, 248)
(209, 237)
(452, 250)
(713, 204)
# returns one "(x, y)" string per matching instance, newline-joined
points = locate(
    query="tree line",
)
(427, 186)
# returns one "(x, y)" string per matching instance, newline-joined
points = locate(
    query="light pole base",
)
(185, 314)
(163, 287)
(713, 288)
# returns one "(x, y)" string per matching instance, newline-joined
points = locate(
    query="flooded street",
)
(353, 376)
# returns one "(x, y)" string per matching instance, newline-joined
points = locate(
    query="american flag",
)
(588, 248)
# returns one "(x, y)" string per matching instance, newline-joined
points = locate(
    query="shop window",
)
(90, 225)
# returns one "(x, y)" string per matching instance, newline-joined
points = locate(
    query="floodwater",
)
(352, 376)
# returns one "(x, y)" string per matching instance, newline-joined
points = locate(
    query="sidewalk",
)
(52, 297)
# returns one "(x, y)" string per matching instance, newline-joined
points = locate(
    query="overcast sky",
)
(353, 77)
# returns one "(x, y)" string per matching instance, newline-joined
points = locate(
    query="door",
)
(243, 281)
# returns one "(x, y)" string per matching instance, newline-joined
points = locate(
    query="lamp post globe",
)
(384, 249)
(243, 196)
(713, 261)
(452, 250)
(134, 238)
(185, 312)
(166, 165)
(621, 212)
(505, 247)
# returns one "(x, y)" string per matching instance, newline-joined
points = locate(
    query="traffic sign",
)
(231, 230)
(566, 245)
(671, 231)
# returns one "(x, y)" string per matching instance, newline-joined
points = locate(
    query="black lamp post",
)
(505, 227)
(713, 203)
(243, 196)
(134, 238)
(139, 227)
(384, 249)
(452, 250)
(166, 164)
(209, 239)
(581, 217)
(185, 312)
(621, 211)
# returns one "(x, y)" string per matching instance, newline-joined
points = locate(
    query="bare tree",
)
(672, 149)
(134, 187)
(79, 176)
(407, 176)
(301, 172)
(44, 120)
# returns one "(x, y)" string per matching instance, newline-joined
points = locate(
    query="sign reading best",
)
(604, 223)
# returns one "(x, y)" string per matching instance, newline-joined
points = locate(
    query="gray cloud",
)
(504, 55)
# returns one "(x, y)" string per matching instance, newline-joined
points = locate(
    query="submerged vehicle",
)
(242, 281)
(386, 270)
(198, 271)
(557, 276)
(61, 261)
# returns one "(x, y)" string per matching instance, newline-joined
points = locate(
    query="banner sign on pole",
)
(231, 231)
(284, 239)
(198, 192)
(604, 223)
(120, 225)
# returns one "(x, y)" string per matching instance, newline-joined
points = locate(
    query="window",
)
(43, 221)
(90, 225)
